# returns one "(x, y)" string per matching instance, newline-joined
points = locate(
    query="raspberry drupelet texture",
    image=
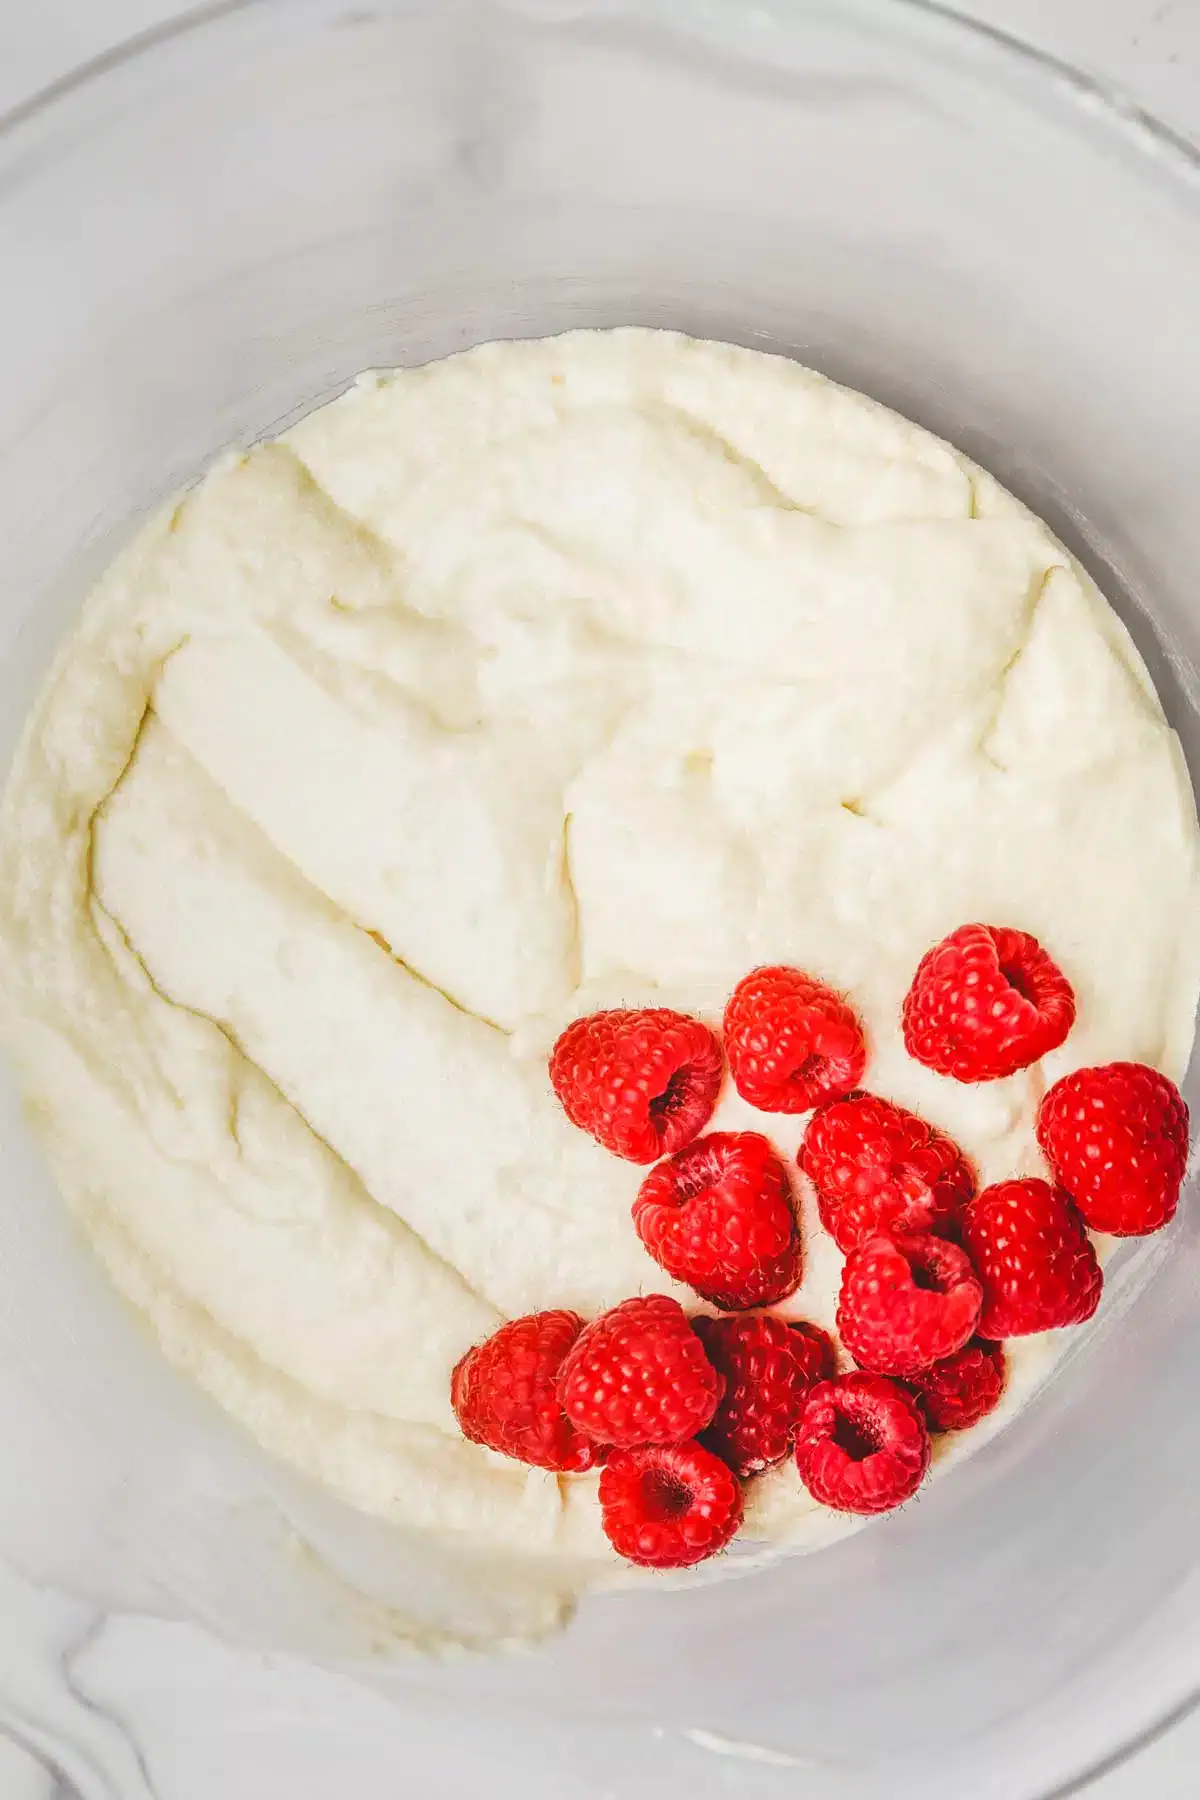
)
(669, 1506)
(791, 1041)
(505, 1393)
(986, 1002)
(878, 1167)
(907, 1302)
(719, 1216)
(638, 1375)
(642, 1083)
(1033, 1257)
(1116, 1138)
(962, 1389)
(769, 1366)
(862, 1445)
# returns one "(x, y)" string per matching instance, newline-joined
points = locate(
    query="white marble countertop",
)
(116, 1708)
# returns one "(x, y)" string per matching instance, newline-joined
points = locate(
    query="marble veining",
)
(83, 1752)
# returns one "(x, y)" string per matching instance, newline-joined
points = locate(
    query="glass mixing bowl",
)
(207, 235)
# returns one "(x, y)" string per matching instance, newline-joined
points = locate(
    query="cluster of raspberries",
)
(677, 1412)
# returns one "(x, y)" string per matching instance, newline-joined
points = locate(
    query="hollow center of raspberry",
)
(811, 1069)
(855, 1437)
(1018, 979)
(924, 1278)
(664, 1496)
(674, 1097)
(698, 1171)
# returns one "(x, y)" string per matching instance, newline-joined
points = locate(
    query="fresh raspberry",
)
(986, 1002)
(642, 1083)
(906, 1303)
(670, 1505)
(505, 1393)
(638, 1375)
(769, 1365)
(719, 1216)
(1034, 1258)
(791, 1041)
(877, 1167)
(961, 1389)
(1117, 1140)
(862, 1445)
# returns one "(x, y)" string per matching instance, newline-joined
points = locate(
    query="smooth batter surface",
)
(584, 672)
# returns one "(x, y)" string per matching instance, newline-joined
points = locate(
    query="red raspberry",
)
(638, 1375)
(961, 1389)
(906, 1303)
(791, 1041)
(877, 1167)
(642, 1083)
(862, 1445)
(719, 1216)
(1117, 1140)
(668, 1506)
(986, 1002)
(769, 1365)
(505, 1393)
(1034, 1258)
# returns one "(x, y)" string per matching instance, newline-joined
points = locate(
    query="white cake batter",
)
(555, 675)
